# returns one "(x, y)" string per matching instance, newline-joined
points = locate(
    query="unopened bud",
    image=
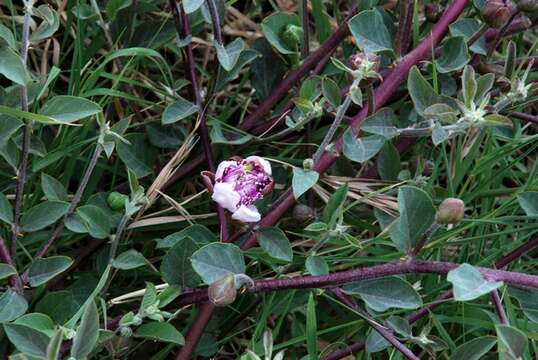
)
(308, 164)
(450, 211)
(528, 6)
(116, 200)
(496, 13)
(302, 213)
(222, 292)
(356, 61)
(292, 35)
(433, 11)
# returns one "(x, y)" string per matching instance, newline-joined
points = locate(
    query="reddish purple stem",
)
(382, 95)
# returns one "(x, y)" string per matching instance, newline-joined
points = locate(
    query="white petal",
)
(247, 214)
(222, 166)
(261, 161)
(226, 196)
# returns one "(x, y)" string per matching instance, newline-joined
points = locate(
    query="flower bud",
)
(292, 35)
(496, 13)
(356, 61)
(116, 200)
(528, 6)
(450, 211)
(308, 164)
(433, 11)
(222, 292)
(126, 331)
(302, 213)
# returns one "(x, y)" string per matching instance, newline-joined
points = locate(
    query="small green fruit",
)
(116, 200)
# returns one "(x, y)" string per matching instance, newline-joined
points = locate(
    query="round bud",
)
(303, 213)
(450, 211)
(496, 13)
(126, 331)
(528, 6)
(308, 164)
(292, 35)
(356, 61)
(433, 11)
(116, 200)
(222, 292)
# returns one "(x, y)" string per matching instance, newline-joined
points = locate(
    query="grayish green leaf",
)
(44, 269)
(331, 92)
(417, 214)
(370, 31)
(275, 243)
(514, 340)
(69, 109)
(385, 293)
(43, 215)
(164, 332)
(27, 340)
(12, 67)
(214, 261)
(6, 210)
(421, 91)
(229, 54)
(361, 149)
(469, 284)
(87, 332)
(96, 220)
(178, 110)
(130, 259)
(381, 123)
(303, 180)
(316, 265)
(455, 55)
(12, 305)
(474, 349)
(467, 27)
(53, 189)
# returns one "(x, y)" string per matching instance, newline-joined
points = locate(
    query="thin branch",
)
(378, 271)
(389, 336)
(493, 45)
(74, 202)
(215, 20)
(196, 331)
(309, 62)
(477, 35)
(5, 256)
(305, 50)
(318, 57)
(332, 130)
(525, 117)
(419, 314)
(382, 95)
(499, 307)
(27, 129)
(403, 34)
(181, 21)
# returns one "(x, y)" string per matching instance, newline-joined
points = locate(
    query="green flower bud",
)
(126, 331)
(222, 292)
(116, 200)
(450, 211)
(292, 35)
(308, 164)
